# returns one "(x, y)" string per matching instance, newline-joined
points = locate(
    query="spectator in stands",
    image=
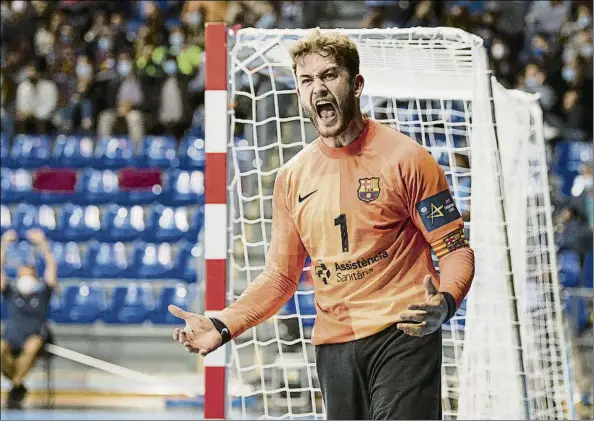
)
(125, 97)
(28, 300)
(188, 56)
(172, 102)
(547, 16)
(574, 231)
(36, 100)
(6, 104)
(424, 15)
(535, 81)
(80, 103)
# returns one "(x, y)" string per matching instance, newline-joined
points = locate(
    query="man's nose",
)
(319, 87)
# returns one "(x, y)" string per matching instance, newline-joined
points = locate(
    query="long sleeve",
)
(434, 212)
(278, 282)
(456, 271)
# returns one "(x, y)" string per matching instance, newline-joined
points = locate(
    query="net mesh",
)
(432, 85)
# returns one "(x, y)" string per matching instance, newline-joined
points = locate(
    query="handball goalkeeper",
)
(367, 204)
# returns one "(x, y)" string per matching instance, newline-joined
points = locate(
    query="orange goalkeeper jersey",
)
(368, 215)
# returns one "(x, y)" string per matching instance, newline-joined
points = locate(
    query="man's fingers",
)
(178, 312)
(413, 329)
(176, 333)
(420, 306)
(430, 289)
(413, 317)
(182, 337)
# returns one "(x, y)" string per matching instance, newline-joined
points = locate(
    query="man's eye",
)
(330, 76)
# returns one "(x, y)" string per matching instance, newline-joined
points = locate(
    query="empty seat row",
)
(127, 304)
(91, 186)
(118, 223)
(114, 260)
(108, 152)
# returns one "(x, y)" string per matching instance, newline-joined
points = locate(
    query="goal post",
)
(504, 353)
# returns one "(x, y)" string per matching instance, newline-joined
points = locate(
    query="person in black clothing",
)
(28, 300)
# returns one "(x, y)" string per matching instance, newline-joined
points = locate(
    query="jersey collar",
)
(352, 148)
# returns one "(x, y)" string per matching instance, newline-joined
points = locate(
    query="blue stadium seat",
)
(187, 260)
(184, 188)
(56, 312)
(114, 152)
(27, 217)
(166, 224)
(179, 296)
(17, 186)
(78, 223)
(16, 254)
(72, 151)
(158, 152)
(196, 224)
(303, 305)
(569, 268)
(95, 187)
(68, 259)
(4, 150)
(587, 274)
(5, 219)
(130, 304)
(122, 223)
(152, 261)
(568, 158)
(106, 261)
(81, 304)
(30, 151)
(191, 153)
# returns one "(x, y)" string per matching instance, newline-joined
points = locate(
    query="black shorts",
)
(386, 376)
(16, 339)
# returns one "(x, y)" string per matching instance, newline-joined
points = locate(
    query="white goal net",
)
(504, 355)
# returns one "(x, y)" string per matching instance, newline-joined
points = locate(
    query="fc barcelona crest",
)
(369, 189)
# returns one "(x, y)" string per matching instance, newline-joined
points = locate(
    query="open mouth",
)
(326, 110)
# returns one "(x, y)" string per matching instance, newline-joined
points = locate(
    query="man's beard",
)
(344, 116)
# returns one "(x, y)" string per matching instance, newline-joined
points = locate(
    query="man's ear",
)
(298, 93)
(359, 83)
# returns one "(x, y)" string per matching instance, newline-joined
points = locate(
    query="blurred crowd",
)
(135, 67)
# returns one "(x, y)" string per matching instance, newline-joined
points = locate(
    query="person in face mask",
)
(535, 82)
(28, 300)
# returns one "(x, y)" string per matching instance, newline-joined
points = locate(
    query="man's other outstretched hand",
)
(425, 318)
(199, 336)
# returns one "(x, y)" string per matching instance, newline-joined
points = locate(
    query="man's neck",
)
(349, 135)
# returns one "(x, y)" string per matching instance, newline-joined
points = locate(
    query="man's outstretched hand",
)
(199, 336)
(427, 317)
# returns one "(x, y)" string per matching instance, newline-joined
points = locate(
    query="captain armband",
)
(453, 241)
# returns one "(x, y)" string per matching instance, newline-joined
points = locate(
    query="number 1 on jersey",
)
(344, 235)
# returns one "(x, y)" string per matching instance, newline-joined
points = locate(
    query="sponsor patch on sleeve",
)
(438, 210)
(453, 241)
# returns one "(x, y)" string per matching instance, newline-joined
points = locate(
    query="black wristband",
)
(222, 329)
(451, 305)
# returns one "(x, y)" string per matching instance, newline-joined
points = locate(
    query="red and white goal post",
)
(505, 352)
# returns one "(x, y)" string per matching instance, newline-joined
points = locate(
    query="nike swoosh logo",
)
(301, 199)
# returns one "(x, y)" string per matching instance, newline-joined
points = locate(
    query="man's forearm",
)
(261, 300)
(456, 271)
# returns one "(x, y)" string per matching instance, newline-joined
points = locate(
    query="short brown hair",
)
(335, 45)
